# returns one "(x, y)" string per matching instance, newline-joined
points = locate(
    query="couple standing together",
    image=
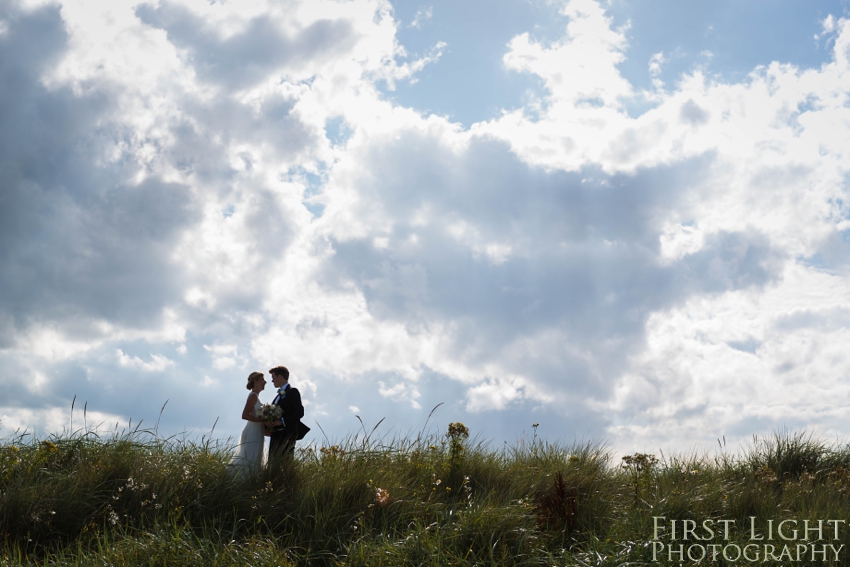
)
(284, 431)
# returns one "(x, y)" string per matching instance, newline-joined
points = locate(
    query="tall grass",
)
(134, 498)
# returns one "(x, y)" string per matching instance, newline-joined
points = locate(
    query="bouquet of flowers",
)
(269, 413)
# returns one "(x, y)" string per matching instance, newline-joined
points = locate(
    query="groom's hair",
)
(280, 371)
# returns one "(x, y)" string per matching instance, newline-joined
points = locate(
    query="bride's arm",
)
(247, 413)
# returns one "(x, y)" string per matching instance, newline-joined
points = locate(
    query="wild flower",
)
(766, 474)
(457, 430)
(332, 453)
(382, 497)
(132, 485)
(640, 462)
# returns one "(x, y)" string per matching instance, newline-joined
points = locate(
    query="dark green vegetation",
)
(134, 499)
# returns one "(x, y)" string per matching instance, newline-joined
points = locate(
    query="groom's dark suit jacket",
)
(293, 411)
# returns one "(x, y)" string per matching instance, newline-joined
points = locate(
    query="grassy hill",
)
(134, 499)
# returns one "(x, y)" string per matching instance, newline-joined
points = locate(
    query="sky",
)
(627, 222)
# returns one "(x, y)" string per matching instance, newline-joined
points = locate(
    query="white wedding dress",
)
(249, 453)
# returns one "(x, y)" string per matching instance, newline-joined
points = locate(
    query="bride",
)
(249, 453)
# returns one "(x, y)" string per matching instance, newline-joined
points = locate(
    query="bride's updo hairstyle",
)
(253, 377)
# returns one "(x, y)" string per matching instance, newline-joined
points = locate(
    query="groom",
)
(291, 429)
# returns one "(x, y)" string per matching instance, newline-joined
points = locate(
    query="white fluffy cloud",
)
(225, 188)
(158, 363)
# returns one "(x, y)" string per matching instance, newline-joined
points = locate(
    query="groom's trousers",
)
(281, 446)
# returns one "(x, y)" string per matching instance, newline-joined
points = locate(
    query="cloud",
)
(224, 357)
(400, 392)
(247, 56)
(22, 420)
(566, 309)
(656, 62)
(82, 242)
(828, 25)
(581, 69)
(422, 15)
(693, 114)
(158, 363)
(414, 247)
(251, 198)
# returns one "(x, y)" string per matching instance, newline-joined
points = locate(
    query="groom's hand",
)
(277, 423)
